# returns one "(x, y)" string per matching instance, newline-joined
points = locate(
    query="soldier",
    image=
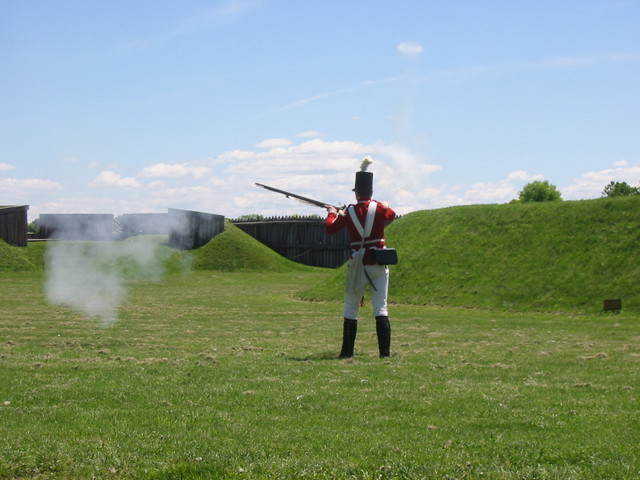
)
(365, 221)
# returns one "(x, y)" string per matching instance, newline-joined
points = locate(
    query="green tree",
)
(620, 189)
(539, 191)
(253, 217)
(34, 227)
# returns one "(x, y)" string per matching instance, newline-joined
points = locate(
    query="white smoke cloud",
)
(83, 279)
(93, 277)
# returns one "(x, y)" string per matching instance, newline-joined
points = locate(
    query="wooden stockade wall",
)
(301, 239)
(145, 224)
(191, 230)
(186, 229)
(77, 226)
(13, 225)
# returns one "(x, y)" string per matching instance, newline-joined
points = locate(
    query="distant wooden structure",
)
(77, 226)
(186, 229)
(144, 224)
(189, 229)
(301, 239)
(13, 225)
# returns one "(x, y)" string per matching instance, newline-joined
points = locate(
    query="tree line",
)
(543, 191)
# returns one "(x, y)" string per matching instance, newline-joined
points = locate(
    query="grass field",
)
(545, 257)
(213, 374)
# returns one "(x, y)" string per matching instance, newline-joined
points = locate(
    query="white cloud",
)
(194, 197)
(231, 156)
(591, 184)
(12, 188)
(274, 143)
(445, 195)
(426, 169)
(523, 176)
(500, 192)
(313, 167)
(309, 134)
(314, 158)
(5, 167)
(411, 49)
(108, 178)
(156, 185)
(89, 204)
(173, 170)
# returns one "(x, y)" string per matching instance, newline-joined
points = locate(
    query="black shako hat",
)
(364, 179)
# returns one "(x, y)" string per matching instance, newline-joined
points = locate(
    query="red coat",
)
(384, 214)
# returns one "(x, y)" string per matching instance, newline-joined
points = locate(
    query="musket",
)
(300, 198)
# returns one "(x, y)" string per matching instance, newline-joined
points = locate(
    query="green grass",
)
(234, 250)
(546, 257)
(15, 259)
(549, 257)
(223, 371)
(215, 374)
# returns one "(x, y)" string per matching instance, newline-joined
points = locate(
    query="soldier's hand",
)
(332, 209)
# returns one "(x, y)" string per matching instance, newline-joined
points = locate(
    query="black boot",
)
(383, 329)
(349, 329)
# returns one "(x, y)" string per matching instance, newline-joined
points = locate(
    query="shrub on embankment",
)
(550, 256)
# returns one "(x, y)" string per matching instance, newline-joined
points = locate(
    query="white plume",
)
(366, 161)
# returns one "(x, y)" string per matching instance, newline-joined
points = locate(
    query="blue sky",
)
(138, 106)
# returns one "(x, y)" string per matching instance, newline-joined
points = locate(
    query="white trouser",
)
(379, 275)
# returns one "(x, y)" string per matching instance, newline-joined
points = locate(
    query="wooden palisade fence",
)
(189, 229)
(13, 225)
(301, 239)
(76, 226)
(186, 229)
